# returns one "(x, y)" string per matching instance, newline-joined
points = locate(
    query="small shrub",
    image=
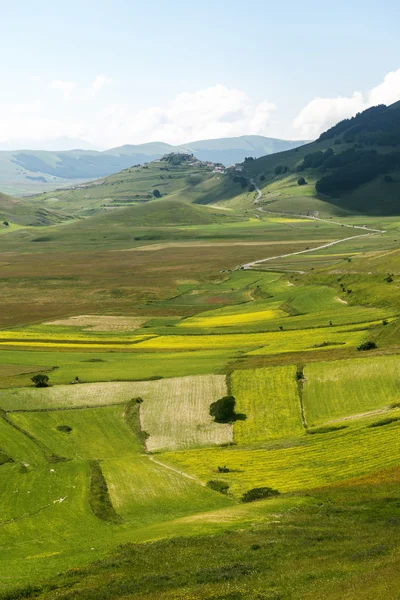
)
(367, 346)
(301, 181)
(156, 193)
(259, 494)
(218, 486)
(223, 469)
(64, 428)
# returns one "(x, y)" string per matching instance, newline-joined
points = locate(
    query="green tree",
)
(223, 410)
(40, 380)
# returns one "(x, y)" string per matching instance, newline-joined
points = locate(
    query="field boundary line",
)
(158, 462)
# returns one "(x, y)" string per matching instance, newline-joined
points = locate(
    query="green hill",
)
(187, 180)
(354, 166)
(30, 171)
(14, 212)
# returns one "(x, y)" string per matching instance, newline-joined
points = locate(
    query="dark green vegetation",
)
(99, 498)
(354, 166)
(223, 410)
(259, 494)
(116, 481)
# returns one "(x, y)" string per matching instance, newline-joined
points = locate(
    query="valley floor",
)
(115, 481)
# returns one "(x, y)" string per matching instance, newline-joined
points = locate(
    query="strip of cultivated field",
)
(177, 415)
(95, 433)
(143, 491)
(337, 389)
(312, 462)
(269, 399)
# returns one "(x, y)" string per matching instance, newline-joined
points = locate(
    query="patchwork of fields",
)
(121, 446)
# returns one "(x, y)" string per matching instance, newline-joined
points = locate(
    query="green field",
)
(269, 399)
(341, 389)
(106, 496)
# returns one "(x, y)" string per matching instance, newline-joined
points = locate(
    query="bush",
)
(223, 469)
(367, 346)
(218, 486)
(156, 193)
(259, 494)
(64, 428)
(223, 410)
(40, 380)
(281, 169)
(301, 181)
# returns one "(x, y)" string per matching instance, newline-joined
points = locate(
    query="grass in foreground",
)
(338, 542)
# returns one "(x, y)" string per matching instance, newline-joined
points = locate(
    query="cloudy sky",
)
(112, 73)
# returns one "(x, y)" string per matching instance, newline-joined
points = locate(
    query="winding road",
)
(263, 260)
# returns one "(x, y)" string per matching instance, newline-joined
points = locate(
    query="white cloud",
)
(66, 87)
(322, 113)
(100, 82)
(34, 78)
(210, 113)
(38, 129)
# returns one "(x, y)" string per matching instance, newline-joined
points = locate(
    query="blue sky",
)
(129, 72)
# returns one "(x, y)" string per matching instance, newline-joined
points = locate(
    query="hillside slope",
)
(24, 171)
(354, 166)
(14, 212)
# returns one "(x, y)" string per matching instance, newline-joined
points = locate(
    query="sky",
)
(129, 72)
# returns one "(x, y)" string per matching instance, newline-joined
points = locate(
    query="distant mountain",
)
(229, 151)
(24, 171)
(354, 165)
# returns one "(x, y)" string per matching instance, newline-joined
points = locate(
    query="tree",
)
(301, 181)
(223, 410)
(40, 380)
(259, 494)
(156, 193)
(367, 346)
(6, 223)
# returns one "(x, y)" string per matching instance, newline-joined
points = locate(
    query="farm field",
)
(150, 302)
(305, 464)
(269, 399)
(340, 389)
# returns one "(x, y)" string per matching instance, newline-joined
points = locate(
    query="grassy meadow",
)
(115, 481)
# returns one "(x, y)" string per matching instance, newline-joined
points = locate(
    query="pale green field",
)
(143, 491)
(342, 388)
(269, 399)
(118, 392)
(176, 413)
(97, 433)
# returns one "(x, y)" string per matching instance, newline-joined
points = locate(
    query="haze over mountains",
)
(28, 171)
